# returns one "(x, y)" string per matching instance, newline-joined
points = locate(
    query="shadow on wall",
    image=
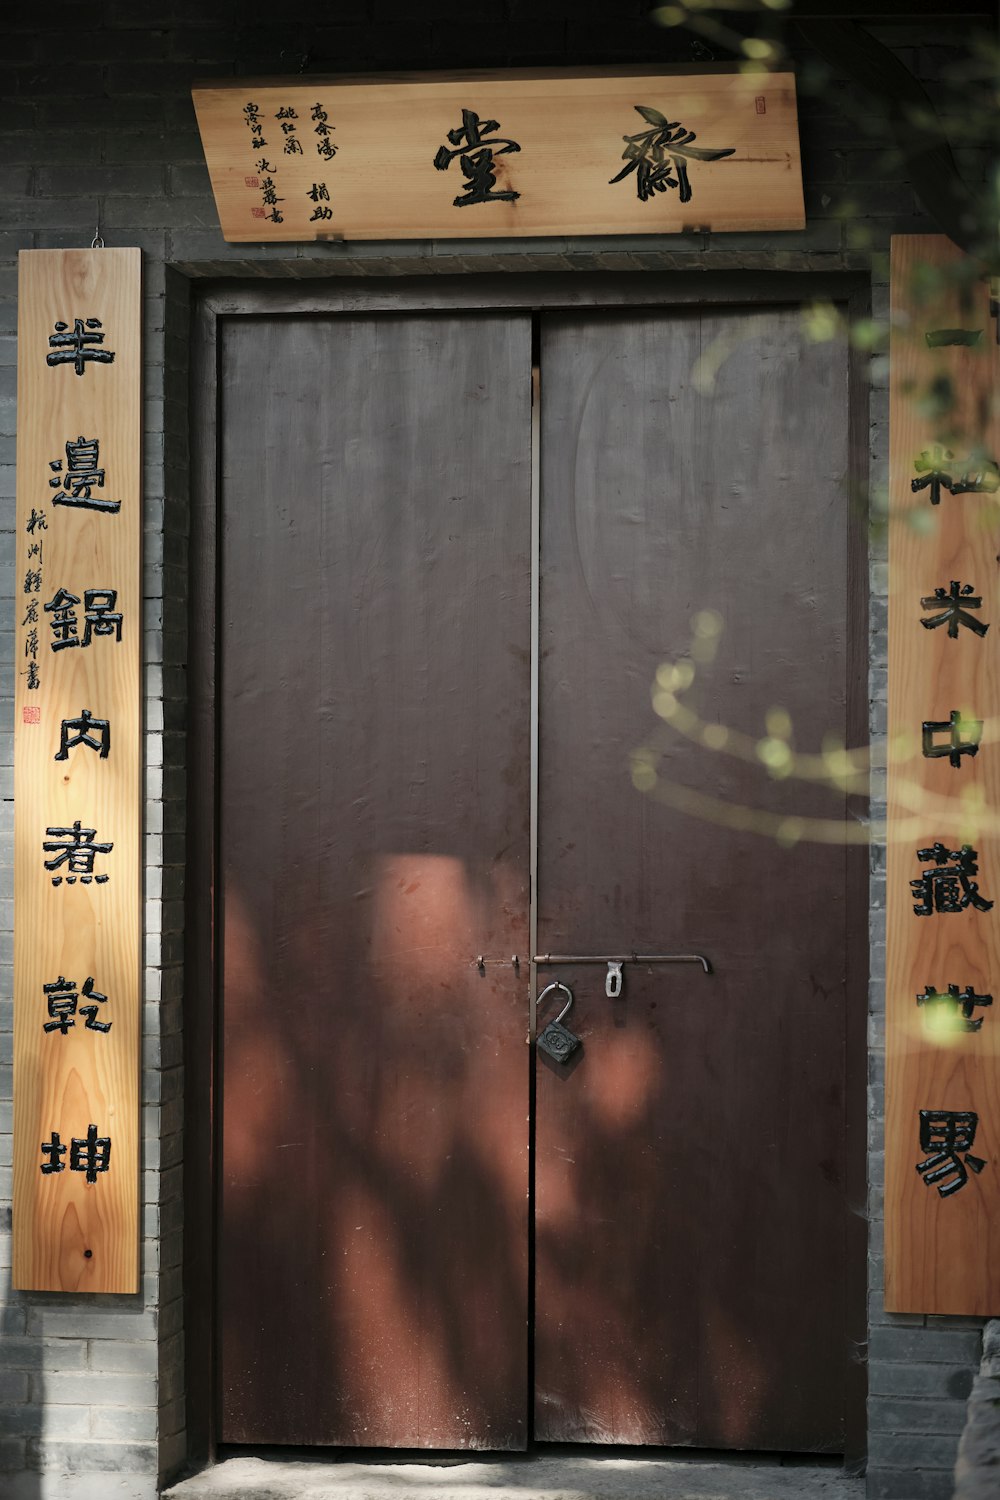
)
(22, 1388)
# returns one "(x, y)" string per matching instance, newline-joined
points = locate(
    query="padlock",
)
(557, 1041)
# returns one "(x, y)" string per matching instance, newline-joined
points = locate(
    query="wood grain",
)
(71, 1234)
(570, 127)
(942, 1254)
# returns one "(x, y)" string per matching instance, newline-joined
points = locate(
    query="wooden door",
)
(374, 806)
(691, 1195)
(692, 1204)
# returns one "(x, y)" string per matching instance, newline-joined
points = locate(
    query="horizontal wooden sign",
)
(78, 628)
(942, 1148)
(520, 153)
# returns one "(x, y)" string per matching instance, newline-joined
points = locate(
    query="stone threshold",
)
(559, 1477)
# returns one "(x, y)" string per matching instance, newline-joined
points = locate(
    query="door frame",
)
(520, 292)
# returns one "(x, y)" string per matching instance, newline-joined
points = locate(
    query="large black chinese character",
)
(948, 1134)
(476, 150)
(953, 607)
(80, 478)
(938, 472)
(75, 848)
(100, 617)
(75, 348)
(62, 999)
(657, 154)
(92, 1155)
(953, 1011)
(86, 730)
(956, 728)
(948, 887)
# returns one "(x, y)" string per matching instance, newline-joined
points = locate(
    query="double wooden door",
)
(429, 1235)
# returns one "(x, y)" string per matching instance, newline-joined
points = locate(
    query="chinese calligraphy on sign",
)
(476, 147)
(77, 764)
(659, 156)
(536, 153)
(942, 1101)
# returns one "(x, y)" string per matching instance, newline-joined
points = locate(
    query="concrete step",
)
(561, 1477)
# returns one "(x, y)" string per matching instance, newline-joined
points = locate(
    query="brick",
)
(908, 1484)
(917, 1450)
(94, 1388)
(940, 1380)
(43, 1354)
(90, 1322)
(118, 1423)
(926, 1345)
(31, 1421)
(94, 1456)
(916, 1416)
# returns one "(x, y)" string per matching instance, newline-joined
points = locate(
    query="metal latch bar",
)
(623, 958)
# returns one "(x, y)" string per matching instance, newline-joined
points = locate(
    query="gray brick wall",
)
(96, 126)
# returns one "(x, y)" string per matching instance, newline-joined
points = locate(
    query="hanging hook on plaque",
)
(97, 243)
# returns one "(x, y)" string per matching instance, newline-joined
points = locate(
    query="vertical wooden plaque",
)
(942, 1210)
(78, 631)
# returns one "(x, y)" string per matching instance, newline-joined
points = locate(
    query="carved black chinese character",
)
(32, 675)
(100, 617)
(956, 728)
(31, 613)
(92, 1155)
(62, 1006)
(75, 848)
(659, 156)
(938, 472)
(36, 522)
(953, 1011)
(948, 1134)
(82, 475)
(86, 730)
(476, 150)
(32, 581)
(953, 607)
(948, 887)
(31, 642)
(75, 348)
